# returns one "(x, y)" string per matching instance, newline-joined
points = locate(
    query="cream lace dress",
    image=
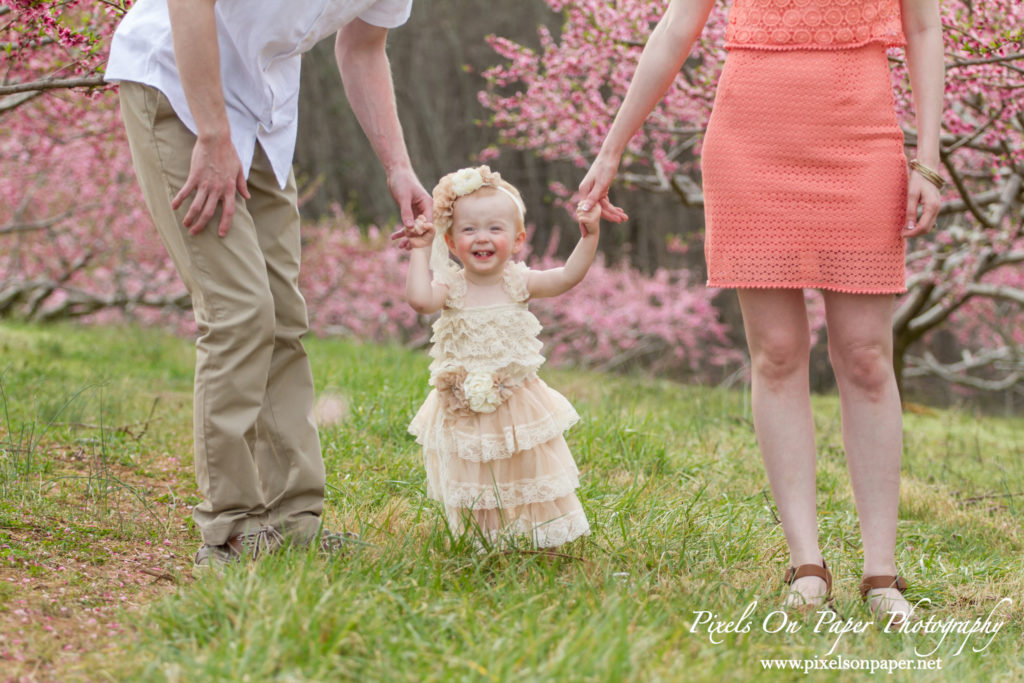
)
(491, 430)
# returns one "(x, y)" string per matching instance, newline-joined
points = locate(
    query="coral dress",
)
(491, 430)
(804, 173)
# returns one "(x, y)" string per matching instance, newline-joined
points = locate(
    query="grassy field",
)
(96, 539)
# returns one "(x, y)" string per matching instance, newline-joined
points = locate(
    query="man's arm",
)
(215, 172)
(366, 74)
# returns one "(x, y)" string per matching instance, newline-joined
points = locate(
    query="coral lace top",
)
(813, 24)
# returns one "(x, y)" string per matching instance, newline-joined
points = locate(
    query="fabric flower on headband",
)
(463, 182)
(466, 181)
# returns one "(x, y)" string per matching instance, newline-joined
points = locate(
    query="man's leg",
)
(234, 311)
(287, 447)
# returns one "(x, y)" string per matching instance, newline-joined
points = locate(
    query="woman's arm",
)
(663, 56)
(923, 31)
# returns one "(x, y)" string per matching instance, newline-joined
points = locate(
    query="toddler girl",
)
(491, 430)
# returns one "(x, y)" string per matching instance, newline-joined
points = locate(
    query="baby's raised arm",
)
(545, 283)
(421, 292)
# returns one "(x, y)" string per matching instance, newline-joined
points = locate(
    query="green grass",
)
(672, 484)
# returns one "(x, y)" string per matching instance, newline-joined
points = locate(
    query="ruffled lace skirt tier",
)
(805, 178)
(508, 472)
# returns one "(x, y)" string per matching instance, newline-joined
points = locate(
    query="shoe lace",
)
(264, 539)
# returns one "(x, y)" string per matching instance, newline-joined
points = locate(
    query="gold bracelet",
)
(928, 174)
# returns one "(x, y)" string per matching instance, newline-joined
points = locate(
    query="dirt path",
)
(83, 551)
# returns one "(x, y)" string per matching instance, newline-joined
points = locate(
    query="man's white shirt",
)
(261, 43)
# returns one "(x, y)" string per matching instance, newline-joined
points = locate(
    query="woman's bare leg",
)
(860, 346)
(779, 340)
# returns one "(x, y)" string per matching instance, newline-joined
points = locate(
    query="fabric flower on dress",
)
(476, 392)
(481, 392)
(449, 390)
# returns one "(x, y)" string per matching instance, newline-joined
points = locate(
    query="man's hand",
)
(214, 175)
(215, 172)
(413, 202)
(420, 235)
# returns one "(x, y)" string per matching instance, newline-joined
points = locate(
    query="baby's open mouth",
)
(483, 254)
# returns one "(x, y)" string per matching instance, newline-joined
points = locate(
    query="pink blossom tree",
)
(77, 239)
(76, 235)
(620, 318)
(54, 45)
(560, 100)
(78, 242)
(354, 284)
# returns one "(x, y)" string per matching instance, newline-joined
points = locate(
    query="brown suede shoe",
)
(822, 572)
(898, 620)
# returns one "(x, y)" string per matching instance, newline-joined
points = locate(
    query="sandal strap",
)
(869, 583)
(820, 571)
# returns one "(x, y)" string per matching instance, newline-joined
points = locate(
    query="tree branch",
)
(984, 60)
(53, 84)
(965, 193)
(995, 292)
(959, 205)
(917, 296)
(42, 224)
(956, 373)
(14, 101)
(977, 132)
(80, 303)
(689, 192)
(1006, 196)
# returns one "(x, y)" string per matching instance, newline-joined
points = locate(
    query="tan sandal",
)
(870, 583)
(819, 571)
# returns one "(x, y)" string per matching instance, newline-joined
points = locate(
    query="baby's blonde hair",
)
(465, 182)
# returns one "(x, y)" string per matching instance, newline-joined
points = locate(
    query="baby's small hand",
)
(421, 234)
(590, 220)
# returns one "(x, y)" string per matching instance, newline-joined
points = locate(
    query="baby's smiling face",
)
(486, 231)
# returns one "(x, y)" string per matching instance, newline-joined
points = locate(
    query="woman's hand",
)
(924, 196)
(593, 190)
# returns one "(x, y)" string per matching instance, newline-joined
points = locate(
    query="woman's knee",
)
(864, 365)
(780, 355)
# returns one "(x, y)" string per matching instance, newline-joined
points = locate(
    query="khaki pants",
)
(257, 453)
